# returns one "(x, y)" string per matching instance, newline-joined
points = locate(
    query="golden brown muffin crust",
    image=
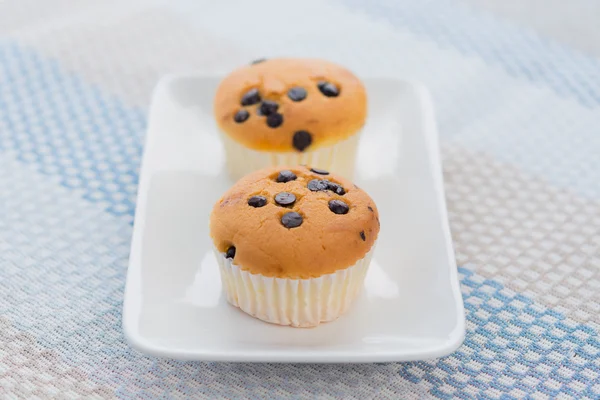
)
(327, 119)
(325, 241)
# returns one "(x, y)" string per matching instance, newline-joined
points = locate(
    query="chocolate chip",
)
(301, 140)
(268, 107)
(297, 93)
(291, 220)
(257, 201)
(285, 198)
(274, 120)
(362, 235)
(370, 208)
(328, 89)
(258, 61)
(230, 252)
(319, 171)
(338, 207)
(251, 97)
(317, 185)
(241, 116)
(286, 176)
(334, 187)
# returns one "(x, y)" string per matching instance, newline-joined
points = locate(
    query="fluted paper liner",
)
(296, 302)
(338, 158)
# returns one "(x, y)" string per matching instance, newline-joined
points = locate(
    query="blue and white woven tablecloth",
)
(518, 106)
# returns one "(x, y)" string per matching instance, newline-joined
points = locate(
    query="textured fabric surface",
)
(519, 118)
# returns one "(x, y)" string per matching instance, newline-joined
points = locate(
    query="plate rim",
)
(446, 347)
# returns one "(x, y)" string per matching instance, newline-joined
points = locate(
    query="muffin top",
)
(294, 223)
(290, 104)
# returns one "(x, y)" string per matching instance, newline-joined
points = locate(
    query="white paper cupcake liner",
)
(296, 302)
(338, 158)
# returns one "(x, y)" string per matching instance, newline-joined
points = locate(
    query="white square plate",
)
(411, 307)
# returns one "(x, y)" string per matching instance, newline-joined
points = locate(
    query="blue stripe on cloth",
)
(512, 344)
(519, 51)
(91, 142)
(67, 128)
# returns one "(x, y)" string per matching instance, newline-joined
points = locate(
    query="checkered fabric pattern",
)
(519, 118)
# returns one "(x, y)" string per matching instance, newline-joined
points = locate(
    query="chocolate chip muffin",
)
(290, 111)
(294, 244)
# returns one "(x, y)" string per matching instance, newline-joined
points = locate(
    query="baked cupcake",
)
(294, 244)
(290, 111)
